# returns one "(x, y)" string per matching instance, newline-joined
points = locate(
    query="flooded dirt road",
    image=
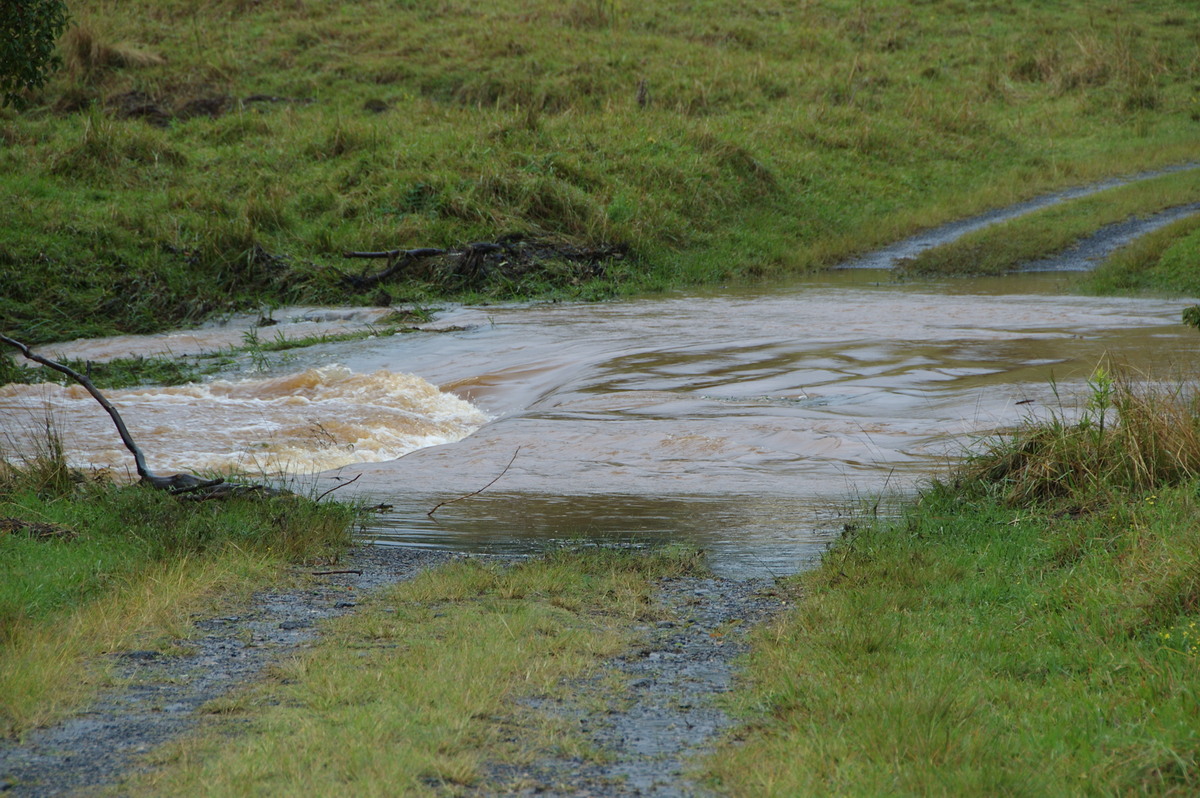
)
(742, 421)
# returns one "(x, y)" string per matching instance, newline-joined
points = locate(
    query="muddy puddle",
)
(748, 422)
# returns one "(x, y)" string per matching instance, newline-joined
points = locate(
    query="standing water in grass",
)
(741, 421)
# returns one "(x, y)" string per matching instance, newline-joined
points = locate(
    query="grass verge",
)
(88, 568)
(1161, 262)
(415, 691)
(195, 157)
(1006, 247)
(1031, 627)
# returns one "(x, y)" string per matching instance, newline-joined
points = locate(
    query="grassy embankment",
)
(1029, 627)
(87, 569)
(1162, 262)
(195, 157)
(412, 694)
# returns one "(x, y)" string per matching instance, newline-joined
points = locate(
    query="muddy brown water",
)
(747, 422)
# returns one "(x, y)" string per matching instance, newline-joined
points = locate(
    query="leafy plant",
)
(28, 31)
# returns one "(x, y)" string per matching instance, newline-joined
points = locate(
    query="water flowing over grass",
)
(195, 157)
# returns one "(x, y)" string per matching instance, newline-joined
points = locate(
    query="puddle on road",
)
(743, 421)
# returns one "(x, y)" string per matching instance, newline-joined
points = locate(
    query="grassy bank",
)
(1162, 262)
(195, 157)
(417, 690)
(1027, 628)
(87, 569)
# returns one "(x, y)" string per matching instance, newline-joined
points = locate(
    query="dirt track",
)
(667, 715)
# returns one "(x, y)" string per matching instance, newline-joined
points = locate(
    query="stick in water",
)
(481, 490)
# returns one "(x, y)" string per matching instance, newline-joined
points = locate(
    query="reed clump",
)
(1131, 436)
(1028, 626)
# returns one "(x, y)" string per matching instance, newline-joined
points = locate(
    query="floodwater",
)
(752, 423)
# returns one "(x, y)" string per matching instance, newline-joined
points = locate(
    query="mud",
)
(162, 696)
(669, 714)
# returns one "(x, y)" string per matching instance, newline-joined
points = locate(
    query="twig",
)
(336, 487)
(331, 573)
(481, 490)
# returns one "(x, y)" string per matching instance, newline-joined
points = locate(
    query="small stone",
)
(288, 626)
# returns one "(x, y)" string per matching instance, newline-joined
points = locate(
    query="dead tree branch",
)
(481, 490)
(186, 485)
(398, 259)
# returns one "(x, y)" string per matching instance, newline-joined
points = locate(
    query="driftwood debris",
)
(398, 260)
(510, 257)
(469, 261)
(178, 484)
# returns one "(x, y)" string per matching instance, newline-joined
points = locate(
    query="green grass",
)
(132, 566)
(125, 372)
(1018, 631)
(769, 139)
(1007, 246)
(1162, 262)
(416, 691)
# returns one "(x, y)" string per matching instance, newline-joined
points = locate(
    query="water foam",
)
(310, 421)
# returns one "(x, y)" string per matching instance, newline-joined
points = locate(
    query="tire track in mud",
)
(668, 714)
(1087, 252)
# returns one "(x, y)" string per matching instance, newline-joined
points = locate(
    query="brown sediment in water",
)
(733, 419)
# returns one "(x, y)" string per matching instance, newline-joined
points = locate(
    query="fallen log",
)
(397, 259)
(470, 260)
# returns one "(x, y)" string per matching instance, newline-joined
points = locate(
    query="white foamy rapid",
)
(311, 421)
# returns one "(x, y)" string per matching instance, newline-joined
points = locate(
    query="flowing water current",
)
(748, 422)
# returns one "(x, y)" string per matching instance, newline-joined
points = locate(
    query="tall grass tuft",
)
(87, 55)
(1132, 436)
